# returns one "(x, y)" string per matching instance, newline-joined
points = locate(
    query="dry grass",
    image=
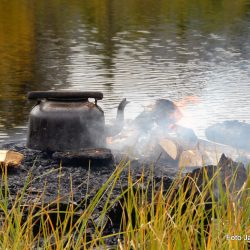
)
(152, 218)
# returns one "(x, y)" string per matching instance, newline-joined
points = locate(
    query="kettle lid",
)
(66, 95)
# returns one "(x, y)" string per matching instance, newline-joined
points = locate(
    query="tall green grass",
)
(151, 217)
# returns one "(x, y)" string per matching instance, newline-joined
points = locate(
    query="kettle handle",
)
(70, 95)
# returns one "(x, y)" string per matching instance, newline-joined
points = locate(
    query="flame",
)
(186, 101)
(182, 104)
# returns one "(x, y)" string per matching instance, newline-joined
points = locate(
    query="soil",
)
(49, 174)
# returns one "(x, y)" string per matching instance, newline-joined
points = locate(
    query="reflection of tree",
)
(16, 46)
(100, 15)
(16, 53)
(54, 31)
(110, 17)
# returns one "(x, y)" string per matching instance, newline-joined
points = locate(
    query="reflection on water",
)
(141, 50)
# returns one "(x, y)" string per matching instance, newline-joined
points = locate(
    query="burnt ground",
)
(47, 172)
(44, 169)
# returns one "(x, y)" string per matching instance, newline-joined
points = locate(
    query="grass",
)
(151, 217)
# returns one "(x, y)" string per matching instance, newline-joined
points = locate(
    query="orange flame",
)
(187, 100)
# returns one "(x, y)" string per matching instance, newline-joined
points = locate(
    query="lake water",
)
(141, 50)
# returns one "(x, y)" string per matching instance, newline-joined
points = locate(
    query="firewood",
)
(197, 158)
(171, 147)
(10, 158)
(191, 158)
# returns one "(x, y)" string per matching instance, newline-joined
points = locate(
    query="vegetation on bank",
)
(151, 217)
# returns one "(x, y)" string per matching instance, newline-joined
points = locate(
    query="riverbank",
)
(125, 204)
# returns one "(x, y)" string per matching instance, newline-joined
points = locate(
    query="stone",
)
(228, 176)
(97, 156)
(233, 133)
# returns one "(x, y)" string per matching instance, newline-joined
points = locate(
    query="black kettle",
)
(65, 121)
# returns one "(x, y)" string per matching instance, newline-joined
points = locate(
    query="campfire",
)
(68, 122)
(155, 133)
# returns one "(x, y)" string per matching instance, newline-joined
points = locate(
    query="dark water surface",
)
(139, 49)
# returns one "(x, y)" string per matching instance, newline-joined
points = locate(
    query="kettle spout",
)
(122, 106)
(117, 127)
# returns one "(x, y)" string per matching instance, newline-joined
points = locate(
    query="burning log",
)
(171, 147)
(154, 132)
(162, 113)
(10, 158)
